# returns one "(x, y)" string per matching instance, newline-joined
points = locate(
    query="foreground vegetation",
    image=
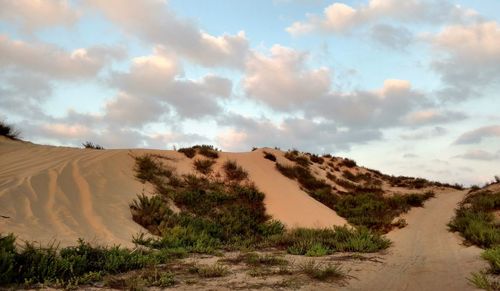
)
(68, 266)
(475, 221)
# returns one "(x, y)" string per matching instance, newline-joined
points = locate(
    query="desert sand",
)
(61, 194)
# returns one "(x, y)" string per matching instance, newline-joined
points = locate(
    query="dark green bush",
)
(91, 145)
(234, 172)
(188, 152)
(9, 131)
(208, 151)
(36, 264)
(204, 166)
(269, 156)
(475, 221)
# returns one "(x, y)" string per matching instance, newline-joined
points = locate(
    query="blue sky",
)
(406, 87)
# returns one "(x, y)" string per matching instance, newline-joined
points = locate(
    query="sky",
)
(406, 87)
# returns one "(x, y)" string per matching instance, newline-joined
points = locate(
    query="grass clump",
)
(322, 272)
(315, 242)
(91, 145)
(210, 271)
(298, 158)
(270, 156)
(208, 151)
(203, 166)
(481, 281)
(79, 264)
(254, 259)
(234, 172)
(475, 221)
(9, 131)
(492, 256)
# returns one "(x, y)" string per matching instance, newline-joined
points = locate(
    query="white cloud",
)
(477, 135)
(53, 61)
(342, 18)
(33, 15)
(282, 80)
(433, 116)
(477, 154)
(384, 107)
(152, 21)
(471, 60)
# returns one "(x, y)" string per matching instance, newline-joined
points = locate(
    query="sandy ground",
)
(425, 255)
(62, 194)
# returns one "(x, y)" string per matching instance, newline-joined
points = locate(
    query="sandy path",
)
(425, 255)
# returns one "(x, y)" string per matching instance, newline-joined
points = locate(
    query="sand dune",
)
(58, 193)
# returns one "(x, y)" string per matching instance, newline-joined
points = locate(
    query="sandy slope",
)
(425, 255)
(56, 193)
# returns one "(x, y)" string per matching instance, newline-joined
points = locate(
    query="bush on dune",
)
(9, 131)
(91, 145)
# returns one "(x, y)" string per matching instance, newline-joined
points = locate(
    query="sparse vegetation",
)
(234, 172)
(203, 166)
(91, 145)
(475, 221)
(270, 156)
(9, 131)
(208, 151)
(71, 265)
(188, 152)
(348, 163)
(322, 272)
(210, 271)
(303, 241)
(214, 214)
(375, 211)
(297, 157)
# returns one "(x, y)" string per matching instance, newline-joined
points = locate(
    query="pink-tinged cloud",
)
(477, 135)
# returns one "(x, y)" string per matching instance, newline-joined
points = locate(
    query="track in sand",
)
(424, 255)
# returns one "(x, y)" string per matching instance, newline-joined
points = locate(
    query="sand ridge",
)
(61, 194)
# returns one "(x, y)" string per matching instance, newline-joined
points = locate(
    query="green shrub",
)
(234, 172)
(9, 131)
(295, 156)
(301, 241)
(208, 151)
(322, 272)
(475, 221)
(210, 271)
(188, 152)
(254, 259)
(316, 159)
(91, 145)
(493, 257)
(81, 263)
(270, 156)
(204, 166)
(348, 163)
(375, 211)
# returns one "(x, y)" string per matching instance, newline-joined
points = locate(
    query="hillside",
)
(59, 193)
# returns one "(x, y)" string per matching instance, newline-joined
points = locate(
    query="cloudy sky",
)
(406, 87)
